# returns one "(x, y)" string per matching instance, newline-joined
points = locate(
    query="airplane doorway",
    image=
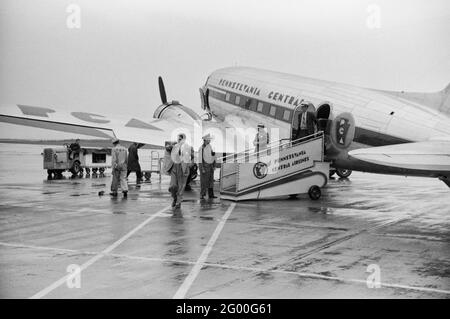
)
(297, 112)
(322, 115)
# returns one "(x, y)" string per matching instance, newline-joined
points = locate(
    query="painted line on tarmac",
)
(324, 277)
(17, 245)
(84, 252)
(99, 256)
(231, 267)
(184, 288)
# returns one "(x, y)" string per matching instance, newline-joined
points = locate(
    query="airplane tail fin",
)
(439, 101)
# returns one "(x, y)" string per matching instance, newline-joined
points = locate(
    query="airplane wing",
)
(154, 132)
(432, 156)
(91, 124)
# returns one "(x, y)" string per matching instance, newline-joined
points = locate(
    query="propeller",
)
(162, 91)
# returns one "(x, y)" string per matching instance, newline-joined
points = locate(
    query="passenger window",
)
(287, 115)
(227, 97)
(247, 103)
(238, 99)
(273, 110)
(260, 107)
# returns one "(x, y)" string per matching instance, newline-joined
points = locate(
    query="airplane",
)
(369, 130)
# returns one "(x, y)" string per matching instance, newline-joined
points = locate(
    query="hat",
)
(115, 140)
(207, 137)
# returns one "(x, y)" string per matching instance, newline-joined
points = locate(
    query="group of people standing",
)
(177, 163)
(123, 162)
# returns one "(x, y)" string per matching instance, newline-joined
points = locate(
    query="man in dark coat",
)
(75, 149)
(307, 123)
(133, 162)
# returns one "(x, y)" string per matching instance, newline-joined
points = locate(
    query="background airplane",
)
(366, 130)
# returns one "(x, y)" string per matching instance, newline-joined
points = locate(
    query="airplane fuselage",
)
(248, 96)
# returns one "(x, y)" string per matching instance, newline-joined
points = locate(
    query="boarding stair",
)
(284, 168)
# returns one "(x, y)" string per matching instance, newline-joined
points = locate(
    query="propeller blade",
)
(162, 90)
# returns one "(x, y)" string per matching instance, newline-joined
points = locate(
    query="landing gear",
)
(147, 176)
(314, 192)
(76, 169)
(343, 173)
(54, 174)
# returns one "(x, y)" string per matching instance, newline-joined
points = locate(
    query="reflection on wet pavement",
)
(281, 248)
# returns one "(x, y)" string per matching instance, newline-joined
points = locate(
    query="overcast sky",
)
(111, 63)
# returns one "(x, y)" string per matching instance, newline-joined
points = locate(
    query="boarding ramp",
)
(284, 168)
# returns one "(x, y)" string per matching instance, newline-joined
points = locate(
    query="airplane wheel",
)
(58, 174)
(101, 170)
(343, 173)
(49, 174)
(147, 176)
(314, 192)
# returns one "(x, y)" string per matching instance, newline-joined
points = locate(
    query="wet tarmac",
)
(368, 225)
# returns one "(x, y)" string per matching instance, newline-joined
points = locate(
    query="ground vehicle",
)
(58, 160)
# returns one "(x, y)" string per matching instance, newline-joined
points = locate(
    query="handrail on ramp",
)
(285, 168)
(244, 156)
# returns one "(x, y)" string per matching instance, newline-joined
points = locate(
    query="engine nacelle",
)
(339, 135)
(176, 111)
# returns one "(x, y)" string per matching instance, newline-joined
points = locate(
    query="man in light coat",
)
(119, 161)
(261, 141)
(180, 169)
(207, 160)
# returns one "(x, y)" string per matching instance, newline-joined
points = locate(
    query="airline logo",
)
(240, 87)
(260, 170)
(341, 131)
